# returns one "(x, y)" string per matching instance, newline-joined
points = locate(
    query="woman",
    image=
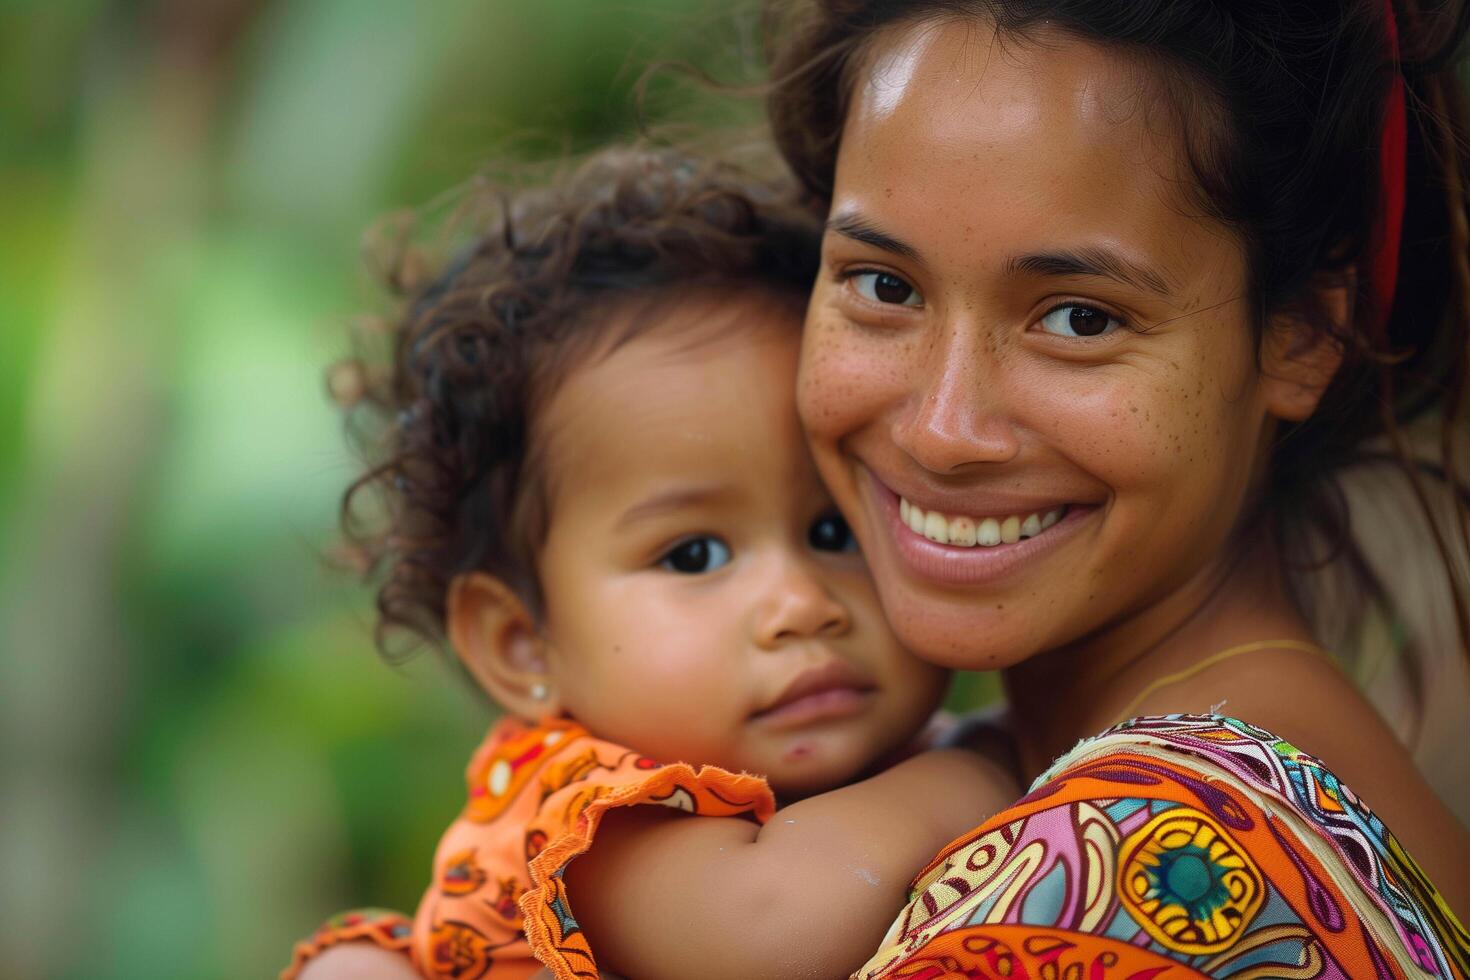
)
(1158, 269)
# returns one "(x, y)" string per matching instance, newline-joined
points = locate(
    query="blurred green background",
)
(202, 754)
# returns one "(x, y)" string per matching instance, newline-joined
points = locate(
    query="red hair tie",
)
(1388, 227)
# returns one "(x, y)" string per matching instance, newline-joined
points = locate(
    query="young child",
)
(601, 493)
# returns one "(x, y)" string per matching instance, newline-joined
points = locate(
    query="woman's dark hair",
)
(445, 409)
(1281, 106)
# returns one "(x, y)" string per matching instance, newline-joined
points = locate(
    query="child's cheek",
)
(678, 673)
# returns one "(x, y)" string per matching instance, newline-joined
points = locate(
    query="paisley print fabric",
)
(536, 794)
(1177, 847)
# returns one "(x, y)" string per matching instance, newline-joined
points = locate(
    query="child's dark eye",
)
(695, 556)
(831, 533)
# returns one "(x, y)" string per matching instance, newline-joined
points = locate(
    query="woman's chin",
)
(960, 632)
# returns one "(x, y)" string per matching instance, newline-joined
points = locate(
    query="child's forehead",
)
(704, 383)
(681, 357)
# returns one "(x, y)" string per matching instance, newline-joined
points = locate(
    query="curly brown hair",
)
(444, 411)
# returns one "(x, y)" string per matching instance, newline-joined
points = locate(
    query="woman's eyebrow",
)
(1090, 261)
(855, 226)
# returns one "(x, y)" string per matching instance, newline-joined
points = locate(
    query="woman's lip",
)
(954, 565)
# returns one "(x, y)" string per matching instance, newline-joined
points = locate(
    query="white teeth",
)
(962, 532)
(1010, 530)
(968, 532)
(988, 533)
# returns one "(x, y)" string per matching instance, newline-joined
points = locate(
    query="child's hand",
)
(811, 893)
(359, 961)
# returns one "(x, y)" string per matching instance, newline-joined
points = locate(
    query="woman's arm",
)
(809, 894)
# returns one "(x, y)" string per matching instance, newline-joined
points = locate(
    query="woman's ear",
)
(1300, 359)
(495, 637)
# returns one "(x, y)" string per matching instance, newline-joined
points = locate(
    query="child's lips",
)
(831, 690)
(823, 706)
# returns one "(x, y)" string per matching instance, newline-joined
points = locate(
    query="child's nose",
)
(799, 606)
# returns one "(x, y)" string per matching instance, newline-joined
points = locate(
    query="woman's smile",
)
(979, 538)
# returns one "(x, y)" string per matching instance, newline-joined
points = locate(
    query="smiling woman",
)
(1110, 301)
(1079, 336)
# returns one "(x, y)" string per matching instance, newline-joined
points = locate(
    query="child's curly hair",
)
(452, 485)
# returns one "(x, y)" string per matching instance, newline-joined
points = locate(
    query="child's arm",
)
(359, 961)
(809, 894)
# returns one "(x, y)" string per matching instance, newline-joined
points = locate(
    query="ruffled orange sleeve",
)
(536, 797)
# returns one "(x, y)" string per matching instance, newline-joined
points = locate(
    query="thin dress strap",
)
(1216, 658)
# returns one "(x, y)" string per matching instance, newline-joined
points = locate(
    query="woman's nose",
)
(958, 414)
(798, 606)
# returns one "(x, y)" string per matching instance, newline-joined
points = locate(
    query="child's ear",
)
(1298, 359)
(495, 637)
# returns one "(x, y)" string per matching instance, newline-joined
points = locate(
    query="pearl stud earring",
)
(539, 691)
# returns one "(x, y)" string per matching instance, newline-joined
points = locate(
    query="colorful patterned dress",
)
(1164, 849)
(497, 907)
(1176, 847)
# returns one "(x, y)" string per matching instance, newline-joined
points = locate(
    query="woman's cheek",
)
(847, 377)
(1095, 419)
(1160, 447)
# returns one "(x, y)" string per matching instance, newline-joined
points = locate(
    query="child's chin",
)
(797, 779)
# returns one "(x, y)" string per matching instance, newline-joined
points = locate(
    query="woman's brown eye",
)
(1075, 320)
(887, 288)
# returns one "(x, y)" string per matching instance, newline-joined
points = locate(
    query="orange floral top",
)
(536, 796)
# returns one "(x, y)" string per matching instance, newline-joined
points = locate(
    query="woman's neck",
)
(1065, 694)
